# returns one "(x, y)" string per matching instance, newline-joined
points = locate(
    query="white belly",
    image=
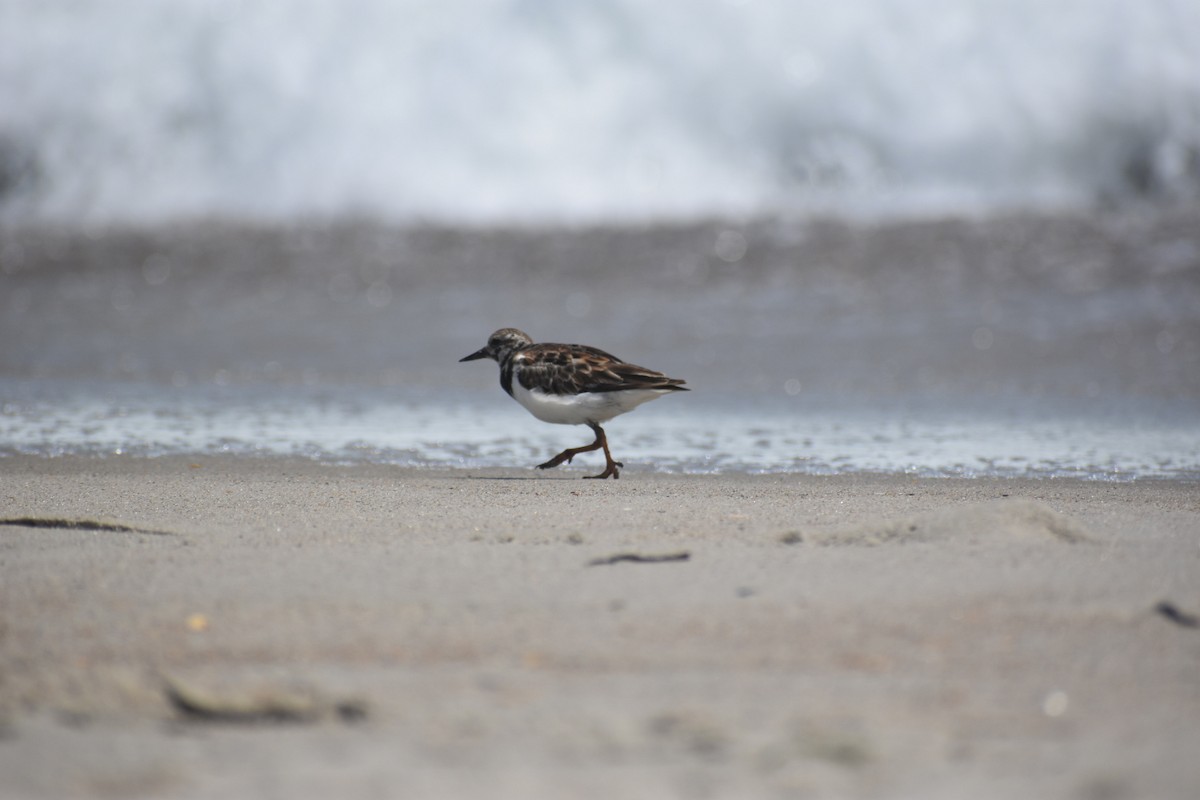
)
(580, 409)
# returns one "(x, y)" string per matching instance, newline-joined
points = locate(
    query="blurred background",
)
(945, 237)
(501, 111)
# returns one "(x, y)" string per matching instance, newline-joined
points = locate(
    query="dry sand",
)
(229, 627)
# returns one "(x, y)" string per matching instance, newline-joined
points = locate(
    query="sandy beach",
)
(217, 627)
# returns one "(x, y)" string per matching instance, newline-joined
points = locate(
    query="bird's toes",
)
(558, 459)
(611, 472)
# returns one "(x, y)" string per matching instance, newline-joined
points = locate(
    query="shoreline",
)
(457, 633)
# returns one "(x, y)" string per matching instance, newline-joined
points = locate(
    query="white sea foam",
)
(511, 110)
(714, 435)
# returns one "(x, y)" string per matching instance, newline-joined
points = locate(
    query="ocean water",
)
(501, 111)
(1037, 346)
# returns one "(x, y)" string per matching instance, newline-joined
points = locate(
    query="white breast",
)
(580, 409)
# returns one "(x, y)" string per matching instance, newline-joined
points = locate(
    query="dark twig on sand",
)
(267, 703)
(639, 558)
(63, 523)
(1177, 615)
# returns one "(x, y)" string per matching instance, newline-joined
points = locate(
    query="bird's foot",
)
(558, 459)
(609, 471)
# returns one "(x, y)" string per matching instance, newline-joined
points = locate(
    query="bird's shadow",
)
(523, 478)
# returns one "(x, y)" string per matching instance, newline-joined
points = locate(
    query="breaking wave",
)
(534, 110)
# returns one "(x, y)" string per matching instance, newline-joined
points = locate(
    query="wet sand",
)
(1096, 312)
(218, 627)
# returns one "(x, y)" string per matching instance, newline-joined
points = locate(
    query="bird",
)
(572, 384)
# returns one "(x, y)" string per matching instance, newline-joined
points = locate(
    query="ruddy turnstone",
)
(572, 384)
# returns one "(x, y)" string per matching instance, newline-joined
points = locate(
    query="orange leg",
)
(610, 466)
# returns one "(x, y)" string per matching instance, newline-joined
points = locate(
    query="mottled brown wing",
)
(615, 376)
(572, 369)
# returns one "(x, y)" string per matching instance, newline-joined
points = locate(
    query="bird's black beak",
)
(480, 353)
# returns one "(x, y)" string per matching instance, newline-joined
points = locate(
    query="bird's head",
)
(500, 344)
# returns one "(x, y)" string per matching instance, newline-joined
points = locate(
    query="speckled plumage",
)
(572, 384)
